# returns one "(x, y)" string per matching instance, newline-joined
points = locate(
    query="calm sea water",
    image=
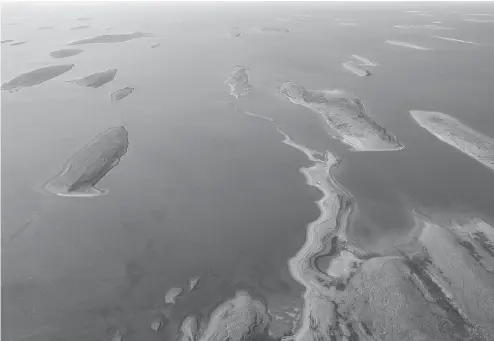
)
(205, 190)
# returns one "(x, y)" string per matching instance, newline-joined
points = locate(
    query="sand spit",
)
(84, 19)
(83, 27)
(111, 38)
(7, 41)
(356, 69)
(433, 26)
(238, 319)
(456, 40)
(189, 328)
(96, 80)
(18, 43)
(453, 132)
(121, 93)
(36, 77)
(64, 53)
(239, 81)
(193, 282)
(45, 28)
(155, 45)
(89, 165)
(345, 114)
(407, 45)
(381, 297)
(172, 295)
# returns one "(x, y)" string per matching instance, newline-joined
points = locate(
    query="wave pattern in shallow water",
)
(345, 114)
(452, 131)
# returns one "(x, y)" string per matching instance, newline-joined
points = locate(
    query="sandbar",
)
(407, 45)
(453, 132)
(356, 69)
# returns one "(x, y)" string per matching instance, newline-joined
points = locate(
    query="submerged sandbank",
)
(238, 81)
(407, 45)
(345, 114)
(36, 77)
(97, 79)
(89, 165)
(121, 93)
(64, 53)
(453, 132)
(111, 38)
(433, 26)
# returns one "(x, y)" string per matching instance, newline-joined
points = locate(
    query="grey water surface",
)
(204, 189)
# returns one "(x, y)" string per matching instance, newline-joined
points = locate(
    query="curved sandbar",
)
(64, 53)
(452, 131)
(90, 164)
(356, 69)
(111, 38)
(18, 43)
(36, 77)
(97, 79)
(238, 319)
(407, 45)
(345, 114)
(121, 93)
(239, 81)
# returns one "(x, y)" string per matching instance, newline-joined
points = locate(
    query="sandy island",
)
(345, 114)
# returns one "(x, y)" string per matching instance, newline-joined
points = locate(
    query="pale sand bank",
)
(364, 61)
(453, 132)
(456, 40)
(356, 69)
(407, 45)
(346, 116)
